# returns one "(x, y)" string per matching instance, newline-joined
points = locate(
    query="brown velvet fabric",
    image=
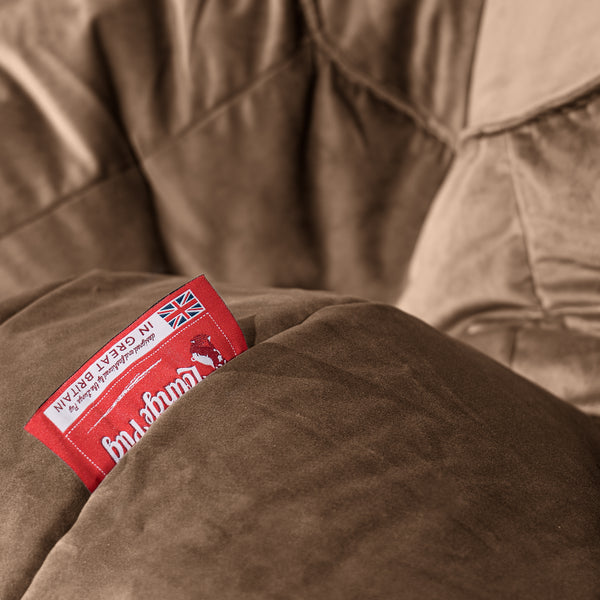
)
(271, 154)
(352, 451)
(72, 197)
(511, 243)
(531, 56)
(368, 147)
(45, 336)
(509, 256)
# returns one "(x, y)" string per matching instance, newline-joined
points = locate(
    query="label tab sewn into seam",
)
(104, 408)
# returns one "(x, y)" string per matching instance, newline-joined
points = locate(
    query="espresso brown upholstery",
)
(398, 202)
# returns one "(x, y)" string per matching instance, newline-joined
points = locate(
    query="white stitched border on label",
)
(137, 364)
(222, 333)
(84, 454)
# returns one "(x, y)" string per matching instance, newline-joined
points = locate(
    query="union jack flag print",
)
(180, 310)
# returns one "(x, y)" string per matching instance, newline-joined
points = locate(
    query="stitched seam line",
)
(73, 196)
(520, 209)
(427, 122)
(229, 101)
(139, 159)
(85, 455)
(223, 334)
(574, 100)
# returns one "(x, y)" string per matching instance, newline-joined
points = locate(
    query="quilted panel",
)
(512, 244)
(533, 55)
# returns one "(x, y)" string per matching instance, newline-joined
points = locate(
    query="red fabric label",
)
(100, 412)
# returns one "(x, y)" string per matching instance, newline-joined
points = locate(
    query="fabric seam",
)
(231, 100)
(520, 211)
(426, 122)
(74, 196)
(575, 100)
(138, 159)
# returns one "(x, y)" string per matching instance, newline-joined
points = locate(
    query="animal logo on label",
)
(204, 352)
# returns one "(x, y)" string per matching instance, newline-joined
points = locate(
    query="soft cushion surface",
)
(246, 140)
(509, 257)
(351, 452)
